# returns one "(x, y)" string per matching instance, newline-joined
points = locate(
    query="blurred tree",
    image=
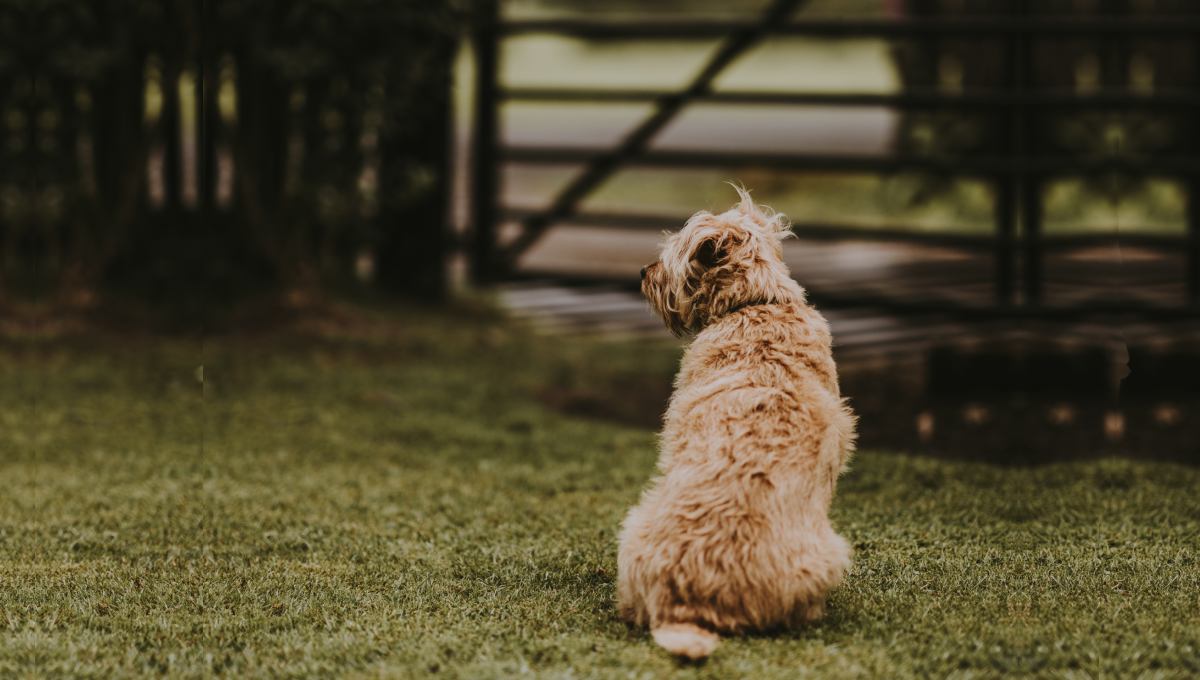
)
(195, 149)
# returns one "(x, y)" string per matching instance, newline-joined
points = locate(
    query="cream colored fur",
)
(733, 534)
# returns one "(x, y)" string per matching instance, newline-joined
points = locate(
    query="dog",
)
(733, 535)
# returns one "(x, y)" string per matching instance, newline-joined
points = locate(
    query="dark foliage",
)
(187, 152)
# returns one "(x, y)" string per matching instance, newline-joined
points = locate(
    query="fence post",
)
(1006, 222)
(1008, 191)
(484, 162)
(1027, 181)
(1193, 242)
(1192, 238)
(170, 126)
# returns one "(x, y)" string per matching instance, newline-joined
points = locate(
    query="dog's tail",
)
(686, 640)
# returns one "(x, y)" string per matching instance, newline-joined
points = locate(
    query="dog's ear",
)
(710, 252)
(713, 249)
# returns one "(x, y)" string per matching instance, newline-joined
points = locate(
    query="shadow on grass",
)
(898, 412)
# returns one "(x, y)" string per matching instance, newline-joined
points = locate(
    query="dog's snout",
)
(644, 272)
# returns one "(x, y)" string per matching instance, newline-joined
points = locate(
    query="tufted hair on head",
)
(718, 263)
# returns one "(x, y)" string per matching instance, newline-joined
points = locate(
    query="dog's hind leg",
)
(685, 640)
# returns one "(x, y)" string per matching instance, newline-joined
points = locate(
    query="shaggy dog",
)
(733, 534)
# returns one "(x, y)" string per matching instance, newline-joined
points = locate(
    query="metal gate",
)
(1017, 165)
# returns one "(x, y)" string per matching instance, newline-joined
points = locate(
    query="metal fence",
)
(1017, 167)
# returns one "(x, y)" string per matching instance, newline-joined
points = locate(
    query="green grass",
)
(389, 497)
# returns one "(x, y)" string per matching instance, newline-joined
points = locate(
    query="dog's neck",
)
(788, 294)
(745, 305)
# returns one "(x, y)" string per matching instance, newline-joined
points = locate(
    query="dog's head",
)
(718, 263)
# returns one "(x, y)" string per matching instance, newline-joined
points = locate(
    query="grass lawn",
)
(388, 495)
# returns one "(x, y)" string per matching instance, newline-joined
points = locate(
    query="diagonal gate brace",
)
(603, 166)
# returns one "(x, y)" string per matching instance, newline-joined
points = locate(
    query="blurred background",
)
(995, 201)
